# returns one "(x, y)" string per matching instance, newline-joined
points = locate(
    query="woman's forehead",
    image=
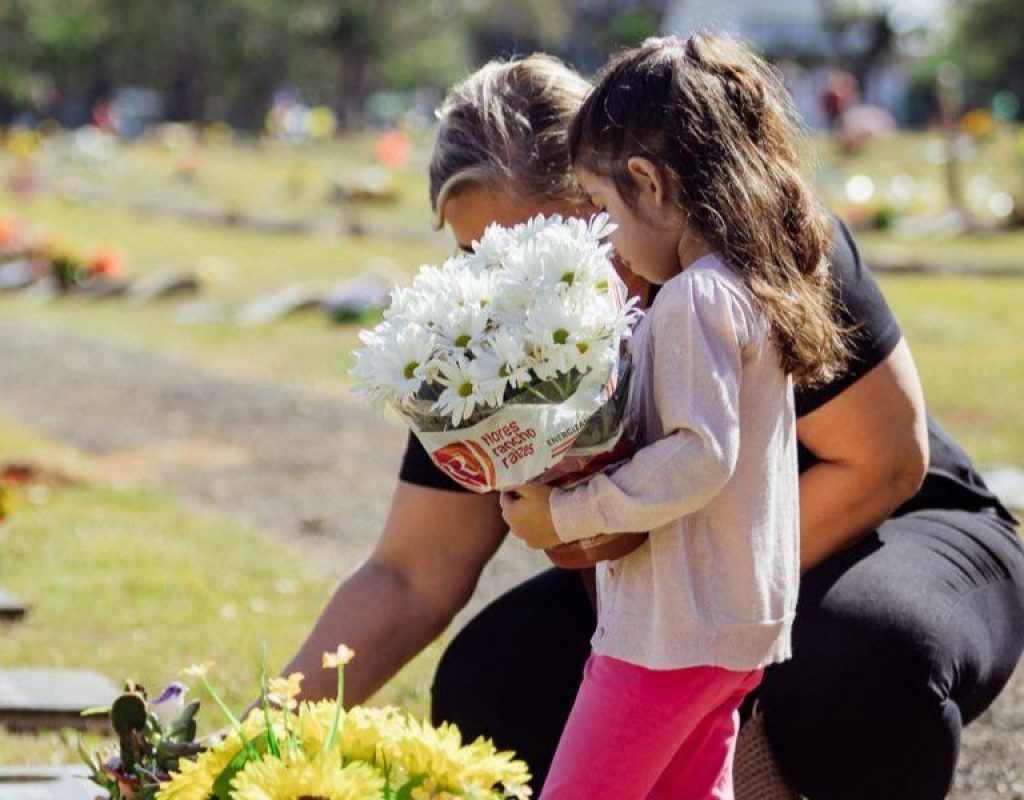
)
(470, 210)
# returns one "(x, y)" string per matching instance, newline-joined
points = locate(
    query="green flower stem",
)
(286, 715)
(249, 749)
(337, 710)
(275, 749)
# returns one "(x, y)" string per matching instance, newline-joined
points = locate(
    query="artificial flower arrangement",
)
(509, 362)
(291, 750)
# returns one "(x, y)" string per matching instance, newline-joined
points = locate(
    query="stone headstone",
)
(164, 283)
(46, 783)
(272, 224)
(372, 184)
(199, 312)
(34, 699)
(1006, 483)
(15, 275)
(354, 299)
(102, 288)
(11, 608)
(277, 304)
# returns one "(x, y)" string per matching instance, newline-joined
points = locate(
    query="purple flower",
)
(169, 705)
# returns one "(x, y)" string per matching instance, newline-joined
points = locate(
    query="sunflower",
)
(475, 769)
(194, 779)
(320, 777)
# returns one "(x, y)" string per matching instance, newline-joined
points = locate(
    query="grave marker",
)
(34, 699)
(46, 783)
(1006, 483)
(278, 304)
(164, 283)
(11, 608)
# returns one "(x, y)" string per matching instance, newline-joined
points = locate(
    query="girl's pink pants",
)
(642, 734)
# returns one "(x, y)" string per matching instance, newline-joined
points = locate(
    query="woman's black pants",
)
(899, 642)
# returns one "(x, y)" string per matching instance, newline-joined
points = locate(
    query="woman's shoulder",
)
(863, 311)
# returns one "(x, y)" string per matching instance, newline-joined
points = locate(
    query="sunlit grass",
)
(134, 585)
(966, 336)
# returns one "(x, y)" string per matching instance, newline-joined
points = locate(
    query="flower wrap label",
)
(520, 442)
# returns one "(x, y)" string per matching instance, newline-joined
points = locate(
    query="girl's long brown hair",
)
(715, 118)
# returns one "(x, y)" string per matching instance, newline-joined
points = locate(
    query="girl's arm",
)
(698, 331)
(872, 442)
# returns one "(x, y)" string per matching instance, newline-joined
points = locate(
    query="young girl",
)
(690, 147)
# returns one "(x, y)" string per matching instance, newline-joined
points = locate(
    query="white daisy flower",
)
(391, 367)
(461, 394)
(463, 326)
(501, 362)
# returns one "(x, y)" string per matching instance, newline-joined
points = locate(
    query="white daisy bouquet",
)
(507, 362)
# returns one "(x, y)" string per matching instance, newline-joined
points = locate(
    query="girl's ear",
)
(648, 178)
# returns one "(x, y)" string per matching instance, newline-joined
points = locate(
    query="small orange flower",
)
(338, 658)
(283, 691)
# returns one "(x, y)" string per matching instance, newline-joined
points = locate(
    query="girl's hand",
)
(528, 515)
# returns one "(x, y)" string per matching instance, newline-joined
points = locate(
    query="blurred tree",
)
(503, 29)
(630, 26)
(222, 59)
(862, 35)
(46, 38)
(583, 32)
(988, 45)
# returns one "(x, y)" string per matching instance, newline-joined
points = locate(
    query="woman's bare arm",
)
(872, 441)
(421, 573)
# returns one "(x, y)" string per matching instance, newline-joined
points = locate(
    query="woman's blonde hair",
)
(506, 126)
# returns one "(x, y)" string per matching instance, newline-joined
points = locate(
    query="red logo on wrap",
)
(466, 463)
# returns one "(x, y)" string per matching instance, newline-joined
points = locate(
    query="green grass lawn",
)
(260, 177)
(966, 336)
(132, 584)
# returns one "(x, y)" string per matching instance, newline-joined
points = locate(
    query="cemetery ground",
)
(159, 531)
(135, 582)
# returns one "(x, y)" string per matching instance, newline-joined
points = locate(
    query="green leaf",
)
(95, 711)
(275, 749)
(86, 756)
(222, 786)
(405, 792)
(183, 728)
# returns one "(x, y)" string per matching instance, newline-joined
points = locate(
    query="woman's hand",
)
(527, 511)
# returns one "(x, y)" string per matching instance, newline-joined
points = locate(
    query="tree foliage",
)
(988, 45)
(222, 59)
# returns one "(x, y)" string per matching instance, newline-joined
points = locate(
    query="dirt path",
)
(310, 468)
(314, 469)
